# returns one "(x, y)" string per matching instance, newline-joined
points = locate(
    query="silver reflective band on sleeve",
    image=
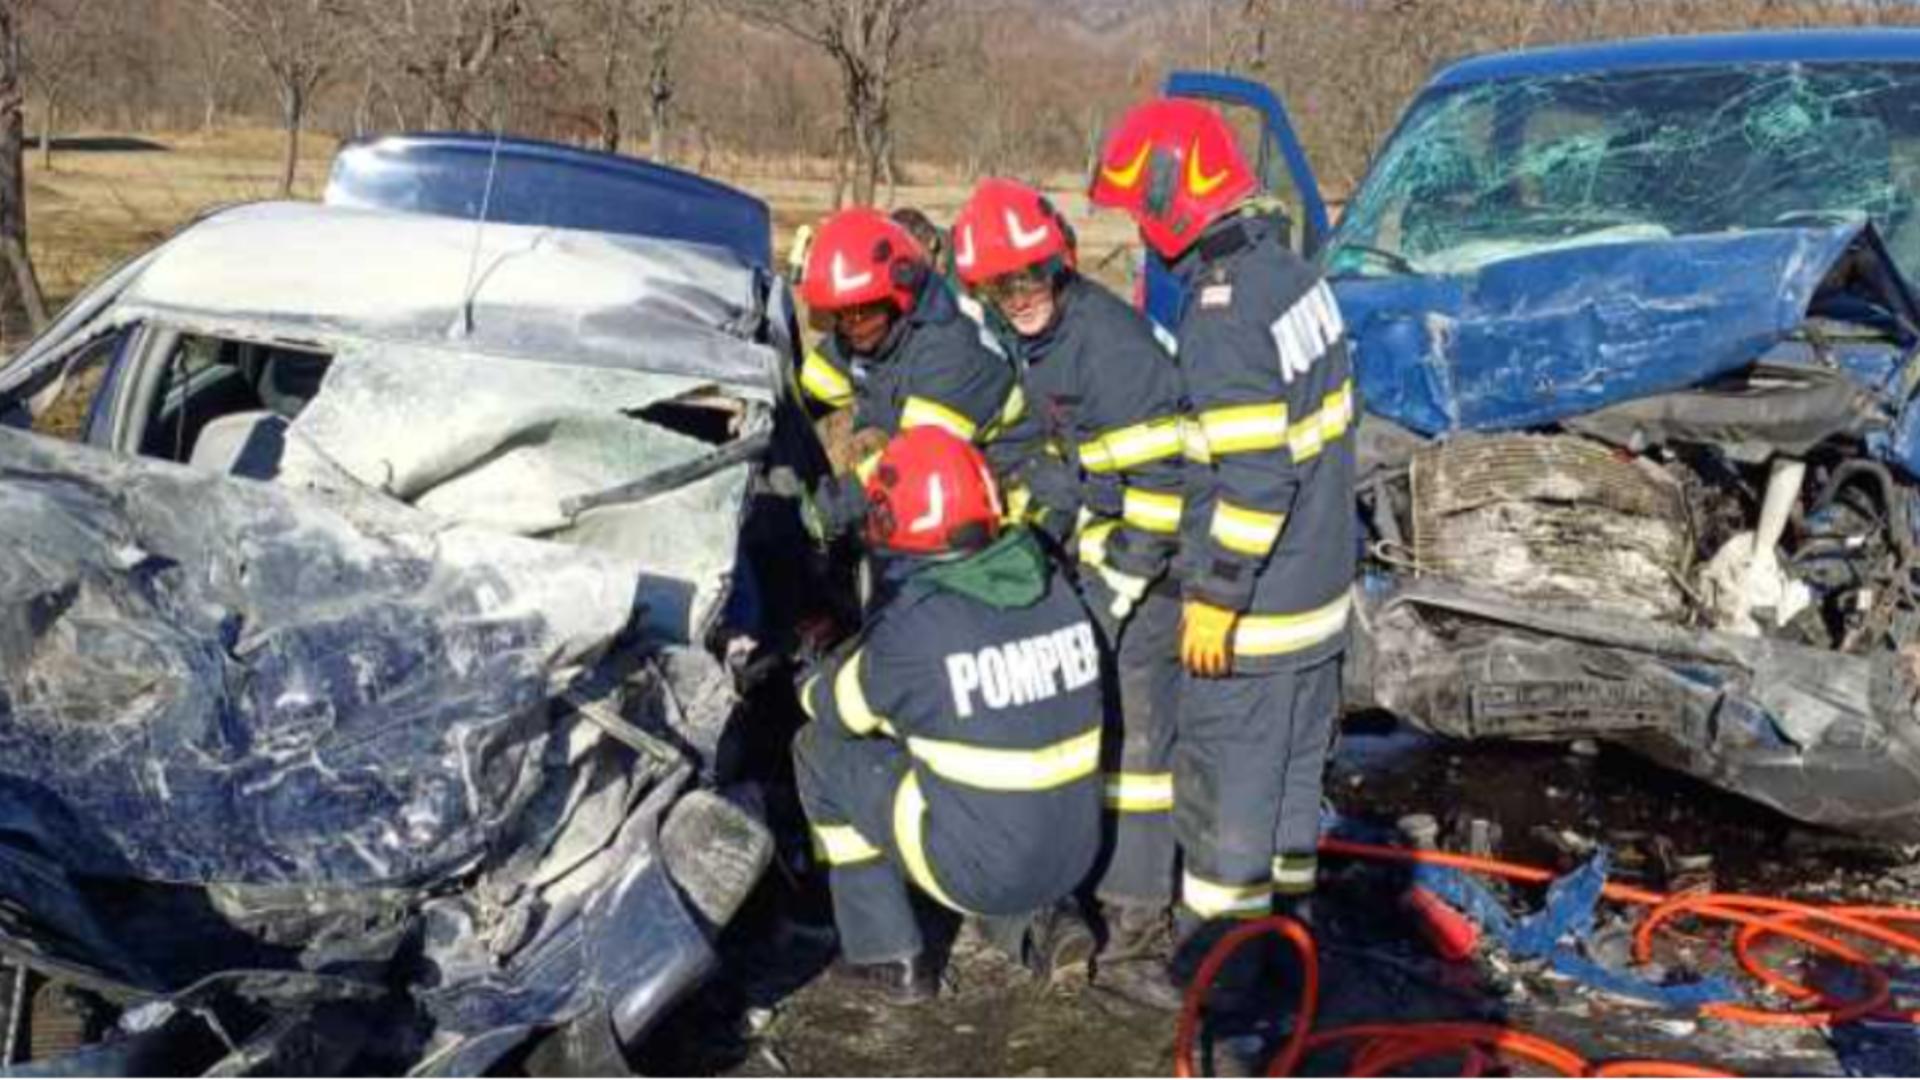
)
(1246, 532)
(1140, 793)
(842, 845)
(926, 412)
(1216, 900)
(824, 382)
(1277, 635)
(1295, 873)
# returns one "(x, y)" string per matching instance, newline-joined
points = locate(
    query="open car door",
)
(1277, 156)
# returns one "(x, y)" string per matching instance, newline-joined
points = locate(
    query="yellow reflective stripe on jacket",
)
(1193, 441)
(842, 845)
(1010, 413)
(926, 412)
(851, 700)
(1152, 511)
(1019, 500)
(820, 378)
(1327, 424)
(1140, 793)
(1295, 873)
(1132, 447)
(909, 831)
(994, 769)
(1093, 542)
(1277, 635)
(1217, 900)
(806, 695)
(1239, 429)
(1249, 532)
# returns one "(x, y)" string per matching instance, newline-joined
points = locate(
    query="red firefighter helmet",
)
(1176, 167)
(860, 256)
(1006, 226)
(931, 493)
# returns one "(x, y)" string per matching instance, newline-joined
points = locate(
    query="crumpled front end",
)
(1691, 532)
(310, 783)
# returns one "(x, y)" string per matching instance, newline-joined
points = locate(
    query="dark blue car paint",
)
(1881, 45)
(527, 182)
(1533, 340)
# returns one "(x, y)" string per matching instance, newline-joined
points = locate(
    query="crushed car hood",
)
(1538, 338)
(269, 750)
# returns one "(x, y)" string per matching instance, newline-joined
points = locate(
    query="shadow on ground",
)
(100, 144)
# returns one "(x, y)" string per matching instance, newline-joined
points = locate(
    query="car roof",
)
(1761, 47)
(310, 272)
(529, 182)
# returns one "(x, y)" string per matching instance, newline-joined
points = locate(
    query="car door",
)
(1277, 157)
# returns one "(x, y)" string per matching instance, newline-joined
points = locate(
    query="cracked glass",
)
(1485, 172)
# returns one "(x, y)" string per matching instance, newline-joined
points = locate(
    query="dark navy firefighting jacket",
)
(1103, 400)
(1268, 528)
(935, 367)
(988, 672)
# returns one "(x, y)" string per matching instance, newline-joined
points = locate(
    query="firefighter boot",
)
(911, 980)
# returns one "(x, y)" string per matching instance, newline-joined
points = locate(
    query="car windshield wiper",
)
(1399, 263)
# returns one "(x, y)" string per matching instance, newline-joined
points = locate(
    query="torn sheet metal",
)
(1824, 737)
(525, 438)
(273, 664)
(240, 729)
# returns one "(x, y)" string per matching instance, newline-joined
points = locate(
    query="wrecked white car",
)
(366, 687)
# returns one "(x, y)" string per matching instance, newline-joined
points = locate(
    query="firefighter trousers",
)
(1248, 764)
(1137, 864)
(848, 786)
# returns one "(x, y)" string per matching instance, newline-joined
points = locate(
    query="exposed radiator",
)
(1552, 517)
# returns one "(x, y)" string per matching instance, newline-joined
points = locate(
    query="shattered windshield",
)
(1489, 171)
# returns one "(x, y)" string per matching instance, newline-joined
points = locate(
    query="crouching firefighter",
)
(1268, 545)
(1103, 468)
(955, 745)
(900, 351)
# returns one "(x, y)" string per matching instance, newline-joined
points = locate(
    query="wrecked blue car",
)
(371, 670)
(1636, 340)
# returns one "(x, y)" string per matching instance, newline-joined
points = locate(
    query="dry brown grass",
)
(99, 207)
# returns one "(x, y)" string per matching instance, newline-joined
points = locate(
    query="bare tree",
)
(296, 44)
(453, 49)
(22, 308)
(60, 44)
(868, 41)
(611, 30)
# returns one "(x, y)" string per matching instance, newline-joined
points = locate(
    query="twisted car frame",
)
(1635, 336)
(370, 674)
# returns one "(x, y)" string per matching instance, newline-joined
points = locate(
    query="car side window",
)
(205, 380)
(66, 415)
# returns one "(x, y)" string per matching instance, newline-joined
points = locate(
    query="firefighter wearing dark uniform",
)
(1268, 535)
(1102, 463)
(901, 353)
(955, 745)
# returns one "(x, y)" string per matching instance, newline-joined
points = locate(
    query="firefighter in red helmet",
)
(900, 352)
(955, 742)
(1102, 464)
(1268, 541)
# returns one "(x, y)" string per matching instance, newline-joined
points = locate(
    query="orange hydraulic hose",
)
(1384, 1047)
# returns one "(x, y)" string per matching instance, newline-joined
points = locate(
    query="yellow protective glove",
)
(1206, 636)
